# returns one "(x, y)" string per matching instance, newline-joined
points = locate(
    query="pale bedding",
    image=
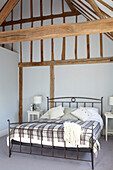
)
(94, 115)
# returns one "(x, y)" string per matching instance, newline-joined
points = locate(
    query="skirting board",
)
(3, 132)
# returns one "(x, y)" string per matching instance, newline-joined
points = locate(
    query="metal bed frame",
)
(60, 100)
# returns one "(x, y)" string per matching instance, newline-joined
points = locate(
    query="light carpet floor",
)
(18, 161)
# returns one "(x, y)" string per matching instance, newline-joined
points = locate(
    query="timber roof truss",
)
(88, 8)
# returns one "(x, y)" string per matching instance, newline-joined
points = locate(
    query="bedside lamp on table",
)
(111, 102)
(37, 101)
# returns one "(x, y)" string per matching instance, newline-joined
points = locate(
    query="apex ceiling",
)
(99, 3)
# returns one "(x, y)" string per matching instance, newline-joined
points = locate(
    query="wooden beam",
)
(12, 26)
(31, 44)
(101, 45)
(55, 31)
(51, 84)
(47, 17)
(88, 46)
(104, 13)
(69, 3)
(20, 94)
(3, 29)
(41, 14)
(76, 41)
(90, 9)
(68, 62)
(52, 42)
(88, 16)
(96, 8)
(83, 9)
(7, 9)
(21, 28)
(63, 44)
(106, 5)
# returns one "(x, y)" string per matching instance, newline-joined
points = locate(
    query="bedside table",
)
(34, 113)
(108, 115)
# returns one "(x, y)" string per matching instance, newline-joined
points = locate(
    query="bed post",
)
(20, 94)
(102, 107)
(92, 156)
(52, 84)
(47, 103)
(9, 137)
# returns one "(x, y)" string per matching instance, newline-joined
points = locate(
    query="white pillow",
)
(68, 116)
(81, 113)
(56, 112)
(68, 110)
(92, 109)
(45, 115)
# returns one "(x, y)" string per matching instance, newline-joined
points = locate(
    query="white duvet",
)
(96, 117)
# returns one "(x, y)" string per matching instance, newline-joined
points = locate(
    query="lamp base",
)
(36, 107)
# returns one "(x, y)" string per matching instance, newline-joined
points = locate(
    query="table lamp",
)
(37, 101)
(111, 102)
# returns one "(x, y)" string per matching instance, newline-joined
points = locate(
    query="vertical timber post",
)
(51, 84)
(20, 94)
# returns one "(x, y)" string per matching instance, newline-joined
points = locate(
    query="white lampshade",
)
(111, 100)
(38, 99)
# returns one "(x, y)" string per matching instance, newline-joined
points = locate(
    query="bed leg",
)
(9, 153)
(92, 156)
(9, 138)
(92, 159)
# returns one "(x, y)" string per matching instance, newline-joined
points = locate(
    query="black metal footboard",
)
(53, 148)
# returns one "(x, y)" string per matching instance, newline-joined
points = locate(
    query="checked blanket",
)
(53, 131)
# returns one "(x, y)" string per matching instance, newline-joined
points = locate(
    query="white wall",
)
(36, 81)
(8, 88)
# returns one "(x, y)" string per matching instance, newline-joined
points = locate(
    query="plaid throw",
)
(53, 130)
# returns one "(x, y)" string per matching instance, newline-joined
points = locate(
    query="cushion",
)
(68, 110)
(56, 112)
(45, 115)
(53, 113)
(81, 113)
(68, 116)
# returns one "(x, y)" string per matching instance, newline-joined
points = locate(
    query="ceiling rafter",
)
(69, 3)
(57, 31)
(106, 5)
(96, 8)
(7, 9)
(75, 11)
(87, 15)
(80, 8)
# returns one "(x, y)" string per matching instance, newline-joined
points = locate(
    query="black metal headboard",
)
(76, 101)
